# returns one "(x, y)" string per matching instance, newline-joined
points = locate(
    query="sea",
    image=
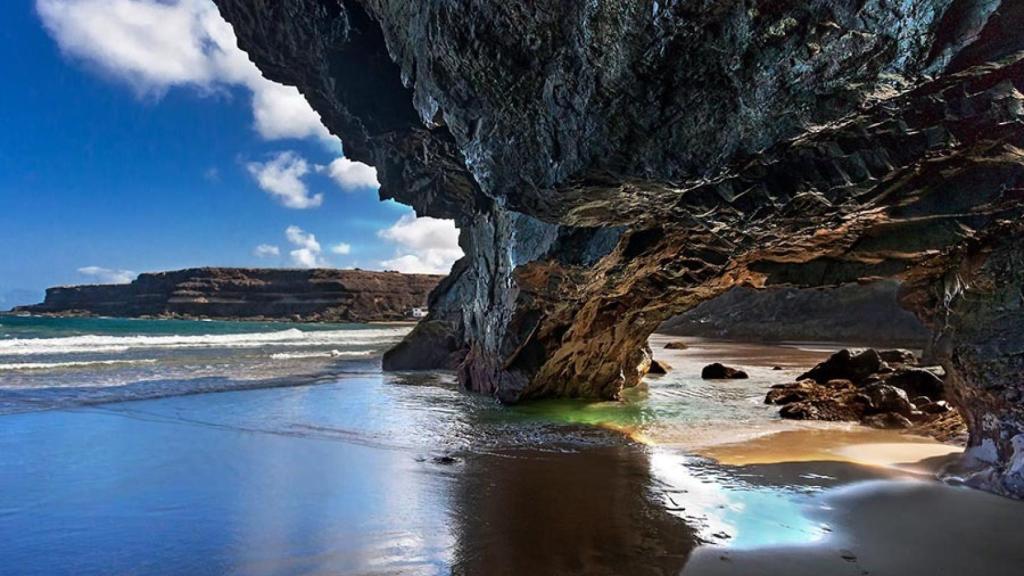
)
(131, 446)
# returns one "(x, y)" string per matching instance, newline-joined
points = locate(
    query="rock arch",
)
(614, 163)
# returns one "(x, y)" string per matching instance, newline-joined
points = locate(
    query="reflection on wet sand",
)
(587, 511)
(854, 444)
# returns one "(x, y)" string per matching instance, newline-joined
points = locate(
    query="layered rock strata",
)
(612, 164)
(323, 295)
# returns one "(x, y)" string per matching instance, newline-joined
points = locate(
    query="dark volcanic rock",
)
(885, 398)
(676, 345)
(917, 382)
(614, 164)
(868, 313)
(718, 371)
(322, 295)
(846, 365)
(659, 367)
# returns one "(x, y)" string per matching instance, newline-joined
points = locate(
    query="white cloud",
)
(351, 175)
(424, 245)
(155, 45)
(282, 177)
(107, 276)
(307, 250)
(266, 251)
(342, 248)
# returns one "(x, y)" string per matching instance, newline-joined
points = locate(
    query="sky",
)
(135, 136)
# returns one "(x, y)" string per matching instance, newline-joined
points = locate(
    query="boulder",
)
(847, 365)
(718, 371)
(884, 398)
(823, 409)
(659, 367)
(676, 345)
(917, 382)
(790, 392)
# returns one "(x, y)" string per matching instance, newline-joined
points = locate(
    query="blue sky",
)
(135, 137)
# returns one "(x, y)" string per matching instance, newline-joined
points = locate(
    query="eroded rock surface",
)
(883, 389)
(319, 295)
(612, 164)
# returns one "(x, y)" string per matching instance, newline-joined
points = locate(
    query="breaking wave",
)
(283, 338)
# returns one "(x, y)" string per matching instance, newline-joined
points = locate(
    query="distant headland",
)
(315, 295)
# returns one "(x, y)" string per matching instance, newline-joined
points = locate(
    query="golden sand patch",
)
(864, 446)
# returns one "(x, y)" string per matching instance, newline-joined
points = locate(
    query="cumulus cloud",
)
(307, 252)
(266, 251)
(107, 275)
(282, 178)
(155, 45)
(351, 175)
(423, 245)
(342, 248)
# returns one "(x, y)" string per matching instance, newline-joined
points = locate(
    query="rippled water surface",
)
(309, 460)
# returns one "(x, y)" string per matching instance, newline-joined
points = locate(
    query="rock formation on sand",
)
(612, 164)
(883, 389)
(320, 295)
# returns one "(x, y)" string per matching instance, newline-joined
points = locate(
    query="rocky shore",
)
(882, 389)
(614, 164)
(318, 295)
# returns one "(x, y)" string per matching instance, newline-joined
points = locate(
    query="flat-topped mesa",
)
(323, 295)
(611, 164)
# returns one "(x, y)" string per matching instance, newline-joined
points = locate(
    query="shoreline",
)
(190, 318)
(426, 478)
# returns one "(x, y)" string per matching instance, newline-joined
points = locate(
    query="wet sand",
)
(891, 527)
(403, 474)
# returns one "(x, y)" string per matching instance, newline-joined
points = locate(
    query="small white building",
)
(419, 313)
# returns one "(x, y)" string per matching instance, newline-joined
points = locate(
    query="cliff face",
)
(854, 313)
(612, 164)
(308, 295)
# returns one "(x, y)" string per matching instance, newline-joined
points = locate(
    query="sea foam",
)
(281, 338)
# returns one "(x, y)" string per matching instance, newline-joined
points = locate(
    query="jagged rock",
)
(665, 153)
(434, 347)
(719, 371)
(825, 410)
(317, 295)
(676, 345)
(790, 392)
(846, 365)
(659, 367)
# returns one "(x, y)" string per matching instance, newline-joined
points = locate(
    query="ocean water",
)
(51, 362)
(173, 447)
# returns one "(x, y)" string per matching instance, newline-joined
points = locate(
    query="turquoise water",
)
(54, 362)
(309, 460)
(45, 327)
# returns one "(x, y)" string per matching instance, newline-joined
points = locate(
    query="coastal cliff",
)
(852, 313)
(613, 164)
(319, 295)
